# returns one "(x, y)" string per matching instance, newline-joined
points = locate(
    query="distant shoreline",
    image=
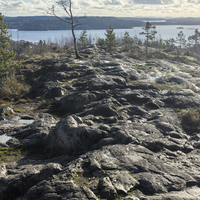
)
(49, 23)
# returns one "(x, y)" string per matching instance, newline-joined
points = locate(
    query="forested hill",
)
(39, 23)
(51, 23)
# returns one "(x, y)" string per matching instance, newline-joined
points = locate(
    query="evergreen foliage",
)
(195, 38)
(83, 38)
(110, 38)
(171, 44)
(127, 41)
(149, 32)
(180, 39)
(101, 41)
(6, 56)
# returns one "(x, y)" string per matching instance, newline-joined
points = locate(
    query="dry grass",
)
(8, 154)
(191, 118)
(12, 88)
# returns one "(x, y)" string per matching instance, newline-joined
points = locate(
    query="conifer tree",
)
(101, 41)
(83, 38)
(110, 38)
(6, 64)
(180, 39)
(172, 44)
(195, 38)
(149, 32)
(127, 41)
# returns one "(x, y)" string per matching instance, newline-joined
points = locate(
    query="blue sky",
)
(118, 8)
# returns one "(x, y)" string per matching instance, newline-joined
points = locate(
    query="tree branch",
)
(52, 11)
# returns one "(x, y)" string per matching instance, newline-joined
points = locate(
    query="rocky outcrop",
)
(118, 133)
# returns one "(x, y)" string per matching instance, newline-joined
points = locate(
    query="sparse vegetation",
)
(171, 49)
(191, 119)
(8, 154)
(12, 88)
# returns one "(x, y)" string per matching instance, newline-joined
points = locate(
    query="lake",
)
(164, 32)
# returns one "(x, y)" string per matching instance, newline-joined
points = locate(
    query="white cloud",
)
(153, 1)
(131, 8)
(194, 1)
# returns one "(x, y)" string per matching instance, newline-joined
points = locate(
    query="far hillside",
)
(41, 23)
(51, 23)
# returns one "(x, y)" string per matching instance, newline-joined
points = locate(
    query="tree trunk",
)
(147, 46)
(74, 36)
(75, 45)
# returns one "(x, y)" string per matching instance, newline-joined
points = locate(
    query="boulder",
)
(71, 135)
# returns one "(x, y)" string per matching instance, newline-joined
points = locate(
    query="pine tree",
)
(127, 41)
(172, 44)
(180, 39)
(6, 64)
(101, 41)
(195, 38)
(149, 32)
(110, 38)
(83, 38)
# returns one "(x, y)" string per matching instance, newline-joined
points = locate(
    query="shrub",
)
(12, 88)
(191, 117)
(190, 120)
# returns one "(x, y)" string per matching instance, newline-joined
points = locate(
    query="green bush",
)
(8, 154)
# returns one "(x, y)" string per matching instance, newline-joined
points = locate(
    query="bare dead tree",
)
(66, 5)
